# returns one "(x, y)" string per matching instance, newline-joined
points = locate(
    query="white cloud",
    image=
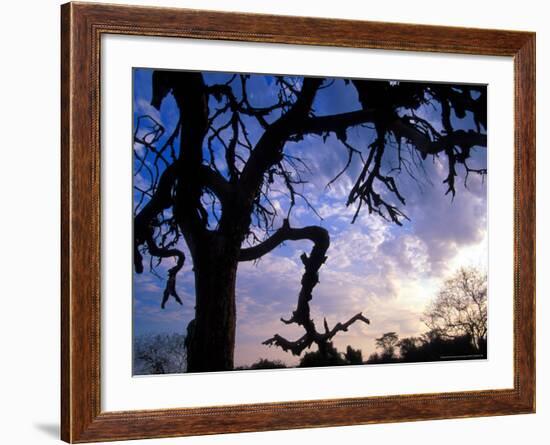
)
(387, 272)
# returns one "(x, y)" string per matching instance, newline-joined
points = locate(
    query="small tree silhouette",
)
(460, 308)
(159, 354)
(387, 343)
(331, 357)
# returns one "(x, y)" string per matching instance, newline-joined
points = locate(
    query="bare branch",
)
(285, 233)
(308, 339)
(170, 288)
(312, 263)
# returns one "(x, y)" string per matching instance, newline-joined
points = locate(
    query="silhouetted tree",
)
(211, 182)
(264, 363)
(159, 354)
(409, 346)
(387, 344)
(460, 308)
(432, 347)
(353, 356)
(331, 357)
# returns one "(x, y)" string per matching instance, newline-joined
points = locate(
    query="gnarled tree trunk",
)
(211, 342)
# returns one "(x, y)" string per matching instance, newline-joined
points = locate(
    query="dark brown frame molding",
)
(82, 27)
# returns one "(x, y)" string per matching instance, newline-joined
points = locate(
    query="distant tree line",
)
(457, 325)
(456, 322)
(329, 357)
(429, 347)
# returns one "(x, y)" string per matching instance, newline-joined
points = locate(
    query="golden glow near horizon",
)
(387, 271)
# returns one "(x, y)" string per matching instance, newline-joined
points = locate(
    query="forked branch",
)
(312, 263)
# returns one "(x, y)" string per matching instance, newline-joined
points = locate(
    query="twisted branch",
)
(312, 263)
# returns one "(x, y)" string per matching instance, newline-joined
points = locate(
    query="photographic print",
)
(285, 221)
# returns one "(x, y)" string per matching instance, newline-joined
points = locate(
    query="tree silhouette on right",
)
(456, 320)
(460, 308)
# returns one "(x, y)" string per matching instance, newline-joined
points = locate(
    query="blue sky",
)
(388, 272)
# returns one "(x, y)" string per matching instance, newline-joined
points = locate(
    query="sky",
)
(388, 272)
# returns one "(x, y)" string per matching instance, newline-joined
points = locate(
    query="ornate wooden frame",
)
(82, 26)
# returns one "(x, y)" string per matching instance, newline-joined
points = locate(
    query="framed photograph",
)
(274, 222)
